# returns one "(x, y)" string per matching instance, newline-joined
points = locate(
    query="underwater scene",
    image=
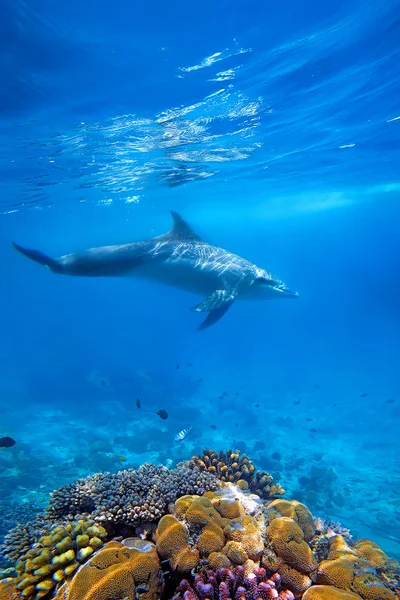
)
(200, 323)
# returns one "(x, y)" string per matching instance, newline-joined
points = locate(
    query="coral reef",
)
(130, 496)
(129, 570)
(236, 468)
(56, 556)
(233, 583)
(224, 539)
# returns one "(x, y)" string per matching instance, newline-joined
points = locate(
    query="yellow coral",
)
(202, 512)
(287, 541)
(212, 539)
(296, 511)
(338, 572)
(369, 587)
(371, 552)
(235, 552)
(327, 592)
(56, 556)
(218, 560)
(119, 571)
(229, 509)
(295, 581)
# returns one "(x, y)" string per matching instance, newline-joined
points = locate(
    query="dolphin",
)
(178, 258)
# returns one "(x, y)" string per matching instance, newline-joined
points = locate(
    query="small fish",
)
(103, 383)
(296, 402)
(162, 414)
(363, 395)
(334, 405)
(200, 380)
(313, 430)
(390, 401)
(177, 367)
(309, 419)
(236, 424)
(7, 442)
(121, 458)
(189, 364)
(225, 393)
(213, 427)
(220, 397)
(182, 435)
(317, 386)
(257, 405)
(138, 403)
(237, 393)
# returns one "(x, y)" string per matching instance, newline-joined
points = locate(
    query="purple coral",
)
(233, 584)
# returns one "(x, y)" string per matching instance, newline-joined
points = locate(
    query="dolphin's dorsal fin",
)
(181, 230)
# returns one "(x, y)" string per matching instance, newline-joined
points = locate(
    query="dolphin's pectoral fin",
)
(216, 305)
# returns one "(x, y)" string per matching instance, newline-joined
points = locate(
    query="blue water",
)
(274, 129)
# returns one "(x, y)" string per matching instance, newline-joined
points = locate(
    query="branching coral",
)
(130, 496)
(236, 468)
(225, 584)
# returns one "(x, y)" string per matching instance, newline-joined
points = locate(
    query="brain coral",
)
(327, 592)
(199, 530)
(130, 496)
(288, 542)
(129, 570)
(236, 468)
(55, 557)
(296, 511)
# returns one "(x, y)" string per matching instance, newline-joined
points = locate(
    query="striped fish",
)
(182, 435)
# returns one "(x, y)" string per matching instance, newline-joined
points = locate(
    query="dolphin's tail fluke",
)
(39, 257)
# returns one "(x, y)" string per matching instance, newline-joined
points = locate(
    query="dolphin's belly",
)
(182, 276)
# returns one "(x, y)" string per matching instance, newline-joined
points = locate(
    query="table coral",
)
(236, 468)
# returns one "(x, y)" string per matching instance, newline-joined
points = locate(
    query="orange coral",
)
(296, 511)
(327, 592)
(287, 541)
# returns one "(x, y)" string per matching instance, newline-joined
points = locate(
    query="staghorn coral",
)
(130, 570)
(235, 468)
(131, 496)
(56, 556)
(330, 528)
(224, 584)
